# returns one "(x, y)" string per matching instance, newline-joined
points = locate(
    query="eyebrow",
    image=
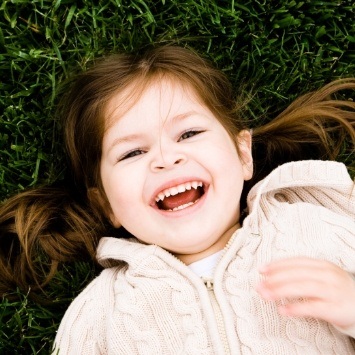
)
(182, 116)
(126, 139)
(133, 137)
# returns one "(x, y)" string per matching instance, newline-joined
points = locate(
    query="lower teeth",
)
(183, 206)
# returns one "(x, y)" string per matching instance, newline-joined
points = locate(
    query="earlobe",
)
(101, 206)
(244, 140)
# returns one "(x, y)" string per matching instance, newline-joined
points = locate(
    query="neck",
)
(219, 245)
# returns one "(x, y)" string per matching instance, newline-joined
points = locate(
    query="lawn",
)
(271, 51)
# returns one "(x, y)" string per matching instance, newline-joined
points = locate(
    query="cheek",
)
(225, 158)
(231, 173)
(124, 192)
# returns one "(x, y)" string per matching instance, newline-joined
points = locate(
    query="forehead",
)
(162, 96)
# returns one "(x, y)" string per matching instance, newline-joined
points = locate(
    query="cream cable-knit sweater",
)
(149, 302)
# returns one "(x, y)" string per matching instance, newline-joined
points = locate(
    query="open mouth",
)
(180, 197)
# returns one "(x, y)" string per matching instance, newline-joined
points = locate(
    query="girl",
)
(197, 261)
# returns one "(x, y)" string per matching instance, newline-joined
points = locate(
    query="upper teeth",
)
(178, 189)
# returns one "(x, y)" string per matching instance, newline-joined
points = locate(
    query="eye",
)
(188, 134)
(132, 154)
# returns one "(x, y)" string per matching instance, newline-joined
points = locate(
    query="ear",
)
(244, 141)
(100, 205)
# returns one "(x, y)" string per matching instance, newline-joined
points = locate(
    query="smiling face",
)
(171, 172)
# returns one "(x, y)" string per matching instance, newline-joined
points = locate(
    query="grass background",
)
(276, 49)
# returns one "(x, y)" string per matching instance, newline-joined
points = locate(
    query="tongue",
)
(182, 198)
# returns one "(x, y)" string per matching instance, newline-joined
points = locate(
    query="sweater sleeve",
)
(311, 208)
(322, 183)
(83, 327)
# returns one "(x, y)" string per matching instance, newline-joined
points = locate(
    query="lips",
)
(181, 196)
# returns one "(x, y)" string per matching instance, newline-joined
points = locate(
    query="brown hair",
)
(60, 223)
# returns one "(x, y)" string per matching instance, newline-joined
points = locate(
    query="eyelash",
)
(188, 134)
(131, 154)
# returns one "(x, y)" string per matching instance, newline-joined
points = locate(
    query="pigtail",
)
(318, 125)
(39, 230)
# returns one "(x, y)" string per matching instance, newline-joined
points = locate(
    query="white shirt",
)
(205, 267)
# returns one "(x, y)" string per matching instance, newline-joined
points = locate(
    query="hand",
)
(311, 288)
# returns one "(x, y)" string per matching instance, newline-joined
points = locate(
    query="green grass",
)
(27, 327)
(275, 49)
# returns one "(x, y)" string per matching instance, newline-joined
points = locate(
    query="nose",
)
(168, 156)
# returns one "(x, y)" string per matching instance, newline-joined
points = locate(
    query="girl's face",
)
(171, 172)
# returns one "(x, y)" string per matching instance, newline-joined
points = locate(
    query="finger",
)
(327, 286)
(326, 273)
(295, 289)
(305, 308)
(294, 263)
(296, 275)
(312, 287)
(328, 283)
(330, 313)
(299, 281)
